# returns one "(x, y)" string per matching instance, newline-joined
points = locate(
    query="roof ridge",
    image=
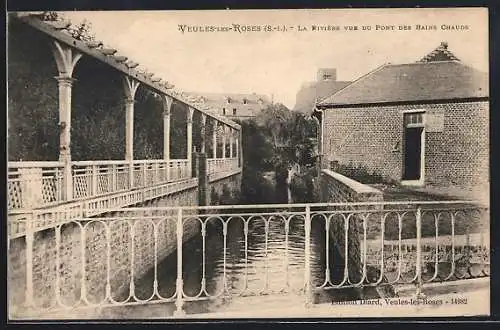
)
(442, 48)
(357, 80)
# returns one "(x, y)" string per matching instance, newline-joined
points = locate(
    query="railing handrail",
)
(98, 162)
(288, 206)
(29, 164)
(121, 162)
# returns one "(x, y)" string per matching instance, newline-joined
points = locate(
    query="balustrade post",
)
(307, 255)
(131, 175)
(179, 283)
(94, 180)
(113, 178)
(144, 174)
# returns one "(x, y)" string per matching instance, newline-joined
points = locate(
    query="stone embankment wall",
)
(336, 188)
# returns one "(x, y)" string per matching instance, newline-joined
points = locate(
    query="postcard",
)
(226, 164)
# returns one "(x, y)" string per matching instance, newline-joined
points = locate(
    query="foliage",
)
(290, 134)
(50, 16)
(276, 140)
(82, 31)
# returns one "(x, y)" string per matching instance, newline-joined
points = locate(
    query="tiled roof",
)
(252, 98)
(421, 81)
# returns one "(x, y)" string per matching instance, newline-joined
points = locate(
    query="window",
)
(244, 101)
(223, 111)
(234, 111)
(414, 119)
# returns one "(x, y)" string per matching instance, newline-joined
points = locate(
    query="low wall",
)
(95, 251)
(336, 188)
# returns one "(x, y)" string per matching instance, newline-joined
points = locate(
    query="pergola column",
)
(203, 132)
(214, 140)
(231, 141)
(167, 107)
(240, 148)
(130, 87)
(236, 145)
(190, 141)
(66, 59)
(223, 141)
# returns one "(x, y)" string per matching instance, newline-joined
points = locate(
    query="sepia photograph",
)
(228, 164)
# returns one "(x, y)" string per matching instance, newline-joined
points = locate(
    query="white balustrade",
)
(219, 165)
(39, 184)
(34, 184)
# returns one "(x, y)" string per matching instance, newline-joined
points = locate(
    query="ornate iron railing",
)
(96, 262)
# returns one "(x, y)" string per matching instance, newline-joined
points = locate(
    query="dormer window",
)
(228, 100)
(244, 101)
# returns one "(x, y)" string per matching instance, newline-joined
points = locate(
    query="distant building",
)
(325, 85)
(234, 106)
(424, 123)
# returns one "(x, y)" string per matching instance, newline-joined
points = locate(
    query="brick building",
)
(234, 106)
(423, 124)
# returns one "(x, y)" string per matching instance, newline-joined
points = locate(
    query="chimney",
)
(327, 74)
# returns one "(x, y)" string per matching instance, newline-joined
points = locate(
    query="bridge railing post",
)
(307, 256)
(179, 283)
(418, 270)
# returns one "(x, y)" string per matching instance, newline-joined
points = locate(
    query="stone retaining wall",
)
(336, 188)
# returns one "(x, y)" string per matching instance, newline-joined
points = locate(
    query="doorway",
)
(413, 152)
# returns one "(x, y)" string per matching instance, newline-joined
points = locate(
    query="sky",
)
(277, 63)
